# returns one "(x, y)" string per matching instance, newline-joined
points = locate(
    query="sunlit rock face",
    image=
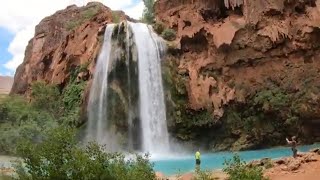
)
(242, 74)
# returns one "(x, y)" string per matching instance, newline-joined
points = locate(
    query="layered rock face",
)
(68, 39)
(247, 70)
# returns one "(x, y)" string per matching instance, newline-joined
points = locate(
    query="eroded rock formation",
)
(250, 64)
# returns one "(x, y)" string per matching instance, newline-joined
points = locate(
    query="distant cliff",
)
(5, 84)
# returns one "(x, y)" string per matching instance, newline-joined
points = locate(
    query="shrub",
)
(19, 119)
(158, 27)
(72, 95)
(115, 17)
(203, 175)
(45, 97)
(238, 170)
(169, 34)
(85, 15)
(60, 157)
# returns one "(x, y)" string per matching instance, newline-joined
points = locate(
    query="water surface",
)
(185, 163)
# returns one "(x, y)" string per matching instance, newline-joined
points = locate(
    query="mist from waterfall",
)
(139, 87)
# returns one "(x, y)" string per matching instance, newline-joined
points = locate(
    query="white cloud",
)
(135, 11)
(20, 18)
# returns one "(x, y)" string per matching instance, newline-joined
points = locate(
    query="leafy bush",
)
(84, 16)
(72, 95)
(238, 170)
(168, 34)
(272, 99)
(45, 97)
(19, 119)
(60, 157)
(158, 27)
(203, 175)
(115, 17)
(89, 13)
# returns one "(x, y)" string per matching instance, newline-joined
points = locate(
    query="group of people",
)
(292, 143)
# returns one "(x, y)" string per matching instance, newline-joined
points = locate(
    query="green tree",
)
(238, 170)
(45, 97)
(59, 156)
(148, 12)
(19, 119)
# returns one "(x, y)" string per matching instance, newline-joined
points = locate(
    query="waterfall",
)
(97, 106)
(126, 104)
(155, 136)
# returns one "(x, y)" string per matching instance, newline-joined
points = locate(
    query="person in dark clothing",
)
(293, 144)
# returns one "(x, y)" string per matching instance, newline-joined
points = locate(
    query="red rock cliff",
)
(230, 50)
(63, 41)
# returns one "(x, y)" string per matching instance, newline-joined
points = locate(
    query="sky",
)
(18, 19)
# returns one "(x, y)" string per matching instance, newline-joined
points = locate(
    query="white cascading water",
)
(154, 133)
(97, 106)
(155, 136)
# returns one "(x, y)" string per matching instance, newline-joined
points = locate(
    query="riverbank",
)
(212, 161)
(305, 166)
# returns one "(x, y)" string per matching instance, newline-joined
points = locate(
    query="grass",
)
(3, 96)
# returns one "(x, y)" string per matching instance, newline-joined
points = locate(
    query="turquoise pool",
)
(185, 163)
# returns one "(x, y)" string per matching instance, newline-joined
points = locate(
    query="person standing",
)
(293, 144)
(198, 160)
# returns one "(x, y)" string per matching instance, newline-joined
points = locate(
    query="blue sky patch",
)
(5, 38)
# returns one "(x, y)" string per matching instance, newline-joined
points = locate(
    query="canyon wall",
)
(242, 74)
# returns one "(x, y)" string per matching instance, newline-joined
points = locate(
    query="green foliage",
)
(158, 27)
(203, 175)
(271, 99)
(148, 12)
(45, 97)
(60, 157)
(71, 25)
(5, 177)
(89, 13)
(84, 16)
(48, 107)
(19, 119)
(169, 34)
(238, 170)
(72, 95)
(115, 17)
